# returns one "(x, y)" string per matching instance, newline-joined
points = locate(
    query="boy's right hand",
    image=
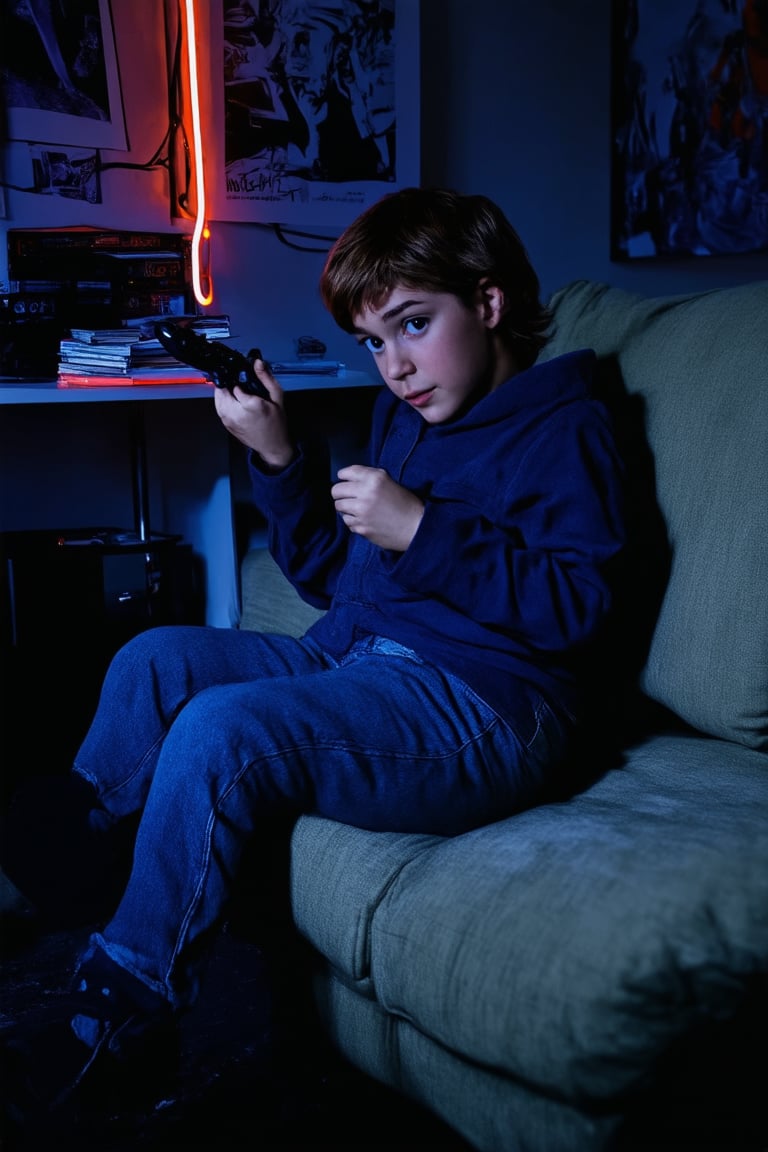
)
(373, 505)
(257, 423)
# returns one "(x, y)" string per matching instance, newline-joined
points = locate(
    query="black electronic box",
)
(69, 599)
(85, 277)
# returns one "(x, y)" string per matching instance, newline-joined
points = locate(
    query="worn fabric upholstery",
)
(700, 364)
(269, 603)
(641, 923)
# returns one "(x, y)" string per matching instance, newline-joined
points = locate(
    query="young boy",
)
(466, 572)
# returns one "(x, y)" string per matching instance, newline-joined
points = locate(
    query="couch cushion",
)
(269, 602)
(491, 1111)
(574, 942)
(327, 856)
(700, 364)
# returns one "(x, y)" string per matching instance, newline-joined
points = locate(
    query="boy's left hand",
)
(373, 505)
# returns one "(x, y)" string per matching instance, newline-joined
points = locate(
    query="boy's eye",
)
(410, 326)
(415, 324)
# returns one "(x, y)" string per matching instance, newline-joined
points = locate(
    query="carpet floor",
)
(228, 1094)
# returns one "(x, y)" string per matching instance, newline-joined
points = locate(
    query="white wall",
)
(514, 103)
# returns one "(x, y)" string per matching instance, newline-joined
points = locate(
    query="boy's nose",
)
(398, 365)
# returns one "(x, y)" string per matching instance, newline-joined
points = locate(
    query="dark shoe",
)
(90, 1053)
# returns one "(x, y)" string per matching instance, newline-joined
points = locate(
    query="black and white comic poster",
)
(315, 108)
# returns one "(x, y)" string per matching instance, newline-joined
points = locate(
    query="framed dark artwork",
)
(59, 73)
(689, 164)
(314, 106)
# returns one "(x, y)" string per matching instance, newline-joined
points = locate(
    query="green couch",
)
(593, 974)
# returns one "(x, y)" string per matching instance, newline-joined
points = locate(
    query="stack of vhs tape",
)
(91, 277)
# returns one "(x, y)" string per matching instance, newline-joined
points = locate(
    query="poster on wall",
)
(315, 108)
(59, 74)
(690, 128)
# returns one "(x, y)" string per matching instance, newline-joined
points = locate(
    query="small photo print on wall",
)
(689, 128)
(72, 173)
(58, 73)
(315, 108)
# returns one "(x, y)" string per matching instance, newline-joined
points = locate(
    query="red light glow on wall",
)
(201, 275)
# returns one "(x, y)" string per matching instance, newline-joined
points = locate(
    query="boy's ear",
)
(491, 301)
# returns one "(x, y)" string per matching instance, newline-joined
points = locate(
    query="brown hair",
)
(439, 241)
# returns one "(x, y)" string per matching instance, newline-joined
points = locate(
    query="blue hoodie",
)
(509, 575)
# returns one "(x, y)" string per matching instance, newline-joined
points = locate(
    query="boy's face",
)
(433, 351)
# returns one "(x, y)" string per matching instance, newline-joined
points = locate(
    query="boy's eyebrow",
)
(393, 312)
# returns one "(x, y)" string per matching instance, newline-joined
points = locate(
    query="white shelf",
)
(46, 391)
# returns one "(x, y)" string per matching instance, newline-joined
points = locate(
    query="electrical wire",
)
(166, 151)
(157, 159)
(282, 235)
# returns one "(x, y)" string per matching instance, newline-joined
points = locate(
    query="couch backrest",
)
(700, 364)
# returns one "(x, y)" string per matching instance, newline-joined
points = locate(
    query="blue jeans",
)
(212, 733)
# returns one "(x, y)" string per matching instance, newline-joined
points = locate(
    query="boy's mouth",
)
(419, 399)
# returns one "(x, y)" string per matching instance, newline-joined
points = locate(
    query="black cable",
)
(175, 120)
(281, 233)
(157, 160)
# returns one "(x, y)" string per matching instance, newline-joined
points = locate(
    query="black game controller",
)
(225, 366)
